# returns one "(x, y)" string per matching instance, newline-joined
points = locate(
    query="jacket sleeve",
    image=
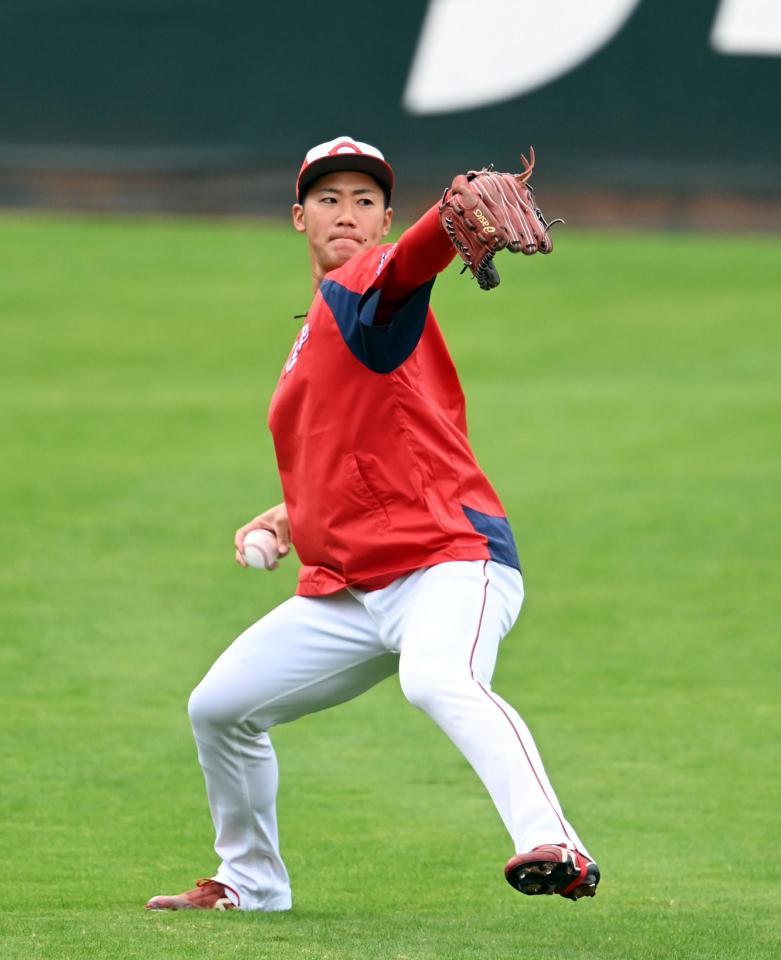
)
(422, 251)
(382, 316)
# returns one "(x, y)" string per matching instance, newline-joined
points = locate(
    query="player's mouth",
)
(356, 238)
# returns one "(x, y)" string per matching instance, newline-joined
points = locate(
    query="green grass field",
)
(625, 398)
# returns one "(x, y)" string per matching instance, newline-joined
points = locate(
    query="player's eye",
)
(366, 202)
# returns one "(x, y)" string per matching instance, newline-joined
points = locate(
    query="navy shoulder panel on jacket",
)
(382, 347)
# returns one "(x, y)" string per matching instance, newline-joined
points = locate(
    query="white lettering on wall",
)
(518, 45)
(748, 27)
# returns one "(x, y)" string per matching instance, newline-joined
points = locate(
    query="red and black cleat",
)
(553, 869)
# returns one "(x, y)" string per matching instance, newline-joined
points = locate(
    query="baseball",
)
(260, 550)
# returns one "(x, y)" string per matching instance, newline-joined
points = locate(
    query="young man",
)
(408, 562)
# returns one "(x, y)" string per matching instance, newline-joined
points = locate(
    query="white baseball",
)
(260, 550)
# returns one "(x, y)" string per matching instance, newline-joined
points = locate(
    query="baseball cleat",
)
(553, 868)
(207, 895)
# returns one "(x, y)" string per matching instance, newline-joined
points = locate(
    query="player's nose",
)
(346, 215)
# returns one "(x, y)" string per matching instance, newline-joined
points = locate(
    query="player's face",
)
(342, 214)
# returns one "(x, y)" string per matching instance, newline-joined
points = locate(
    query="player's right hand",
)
(275, 520)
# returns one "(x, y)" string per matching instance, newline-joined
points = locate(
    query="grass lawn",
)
(624, 397)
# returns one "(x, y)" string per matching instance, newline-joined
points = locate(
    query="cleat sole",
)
(547, 877)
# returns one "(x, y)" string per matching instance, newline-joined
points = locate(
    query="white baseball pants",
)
(440, 628)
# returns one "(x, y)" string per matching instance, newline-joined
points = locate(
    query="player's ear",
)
(297, 212)
(386, 225)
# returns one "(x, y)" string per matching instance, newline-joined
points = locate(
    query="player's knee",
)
(208, 710)
(426, 686)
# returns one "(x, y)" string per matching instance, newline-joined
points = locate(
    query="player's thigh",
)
(455, 617)
(305, 655)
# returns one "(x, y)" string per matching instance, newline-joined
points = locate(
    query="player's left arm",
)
(383, 316)
(422, 251)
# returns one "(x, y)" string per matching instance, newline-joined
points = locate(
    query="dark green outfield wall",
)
(220, 84)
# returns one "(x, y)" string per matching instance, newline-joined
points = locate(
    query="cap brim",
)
(363, 163)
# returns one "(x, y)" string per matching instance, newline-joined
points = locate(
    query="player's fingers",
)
(257, 524)
(282, 533)
(238, 541)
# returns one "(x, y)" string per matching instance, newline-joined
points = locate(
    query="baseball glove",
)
(487, 211)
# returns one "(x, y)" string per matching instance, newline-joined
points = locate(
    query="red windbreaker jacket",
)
(369, 427)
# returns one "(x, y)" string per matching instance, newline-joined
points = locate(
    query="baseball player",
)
(408, 563)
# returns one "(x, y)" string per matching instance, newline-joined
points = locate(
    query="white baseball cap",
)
(344, 153)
